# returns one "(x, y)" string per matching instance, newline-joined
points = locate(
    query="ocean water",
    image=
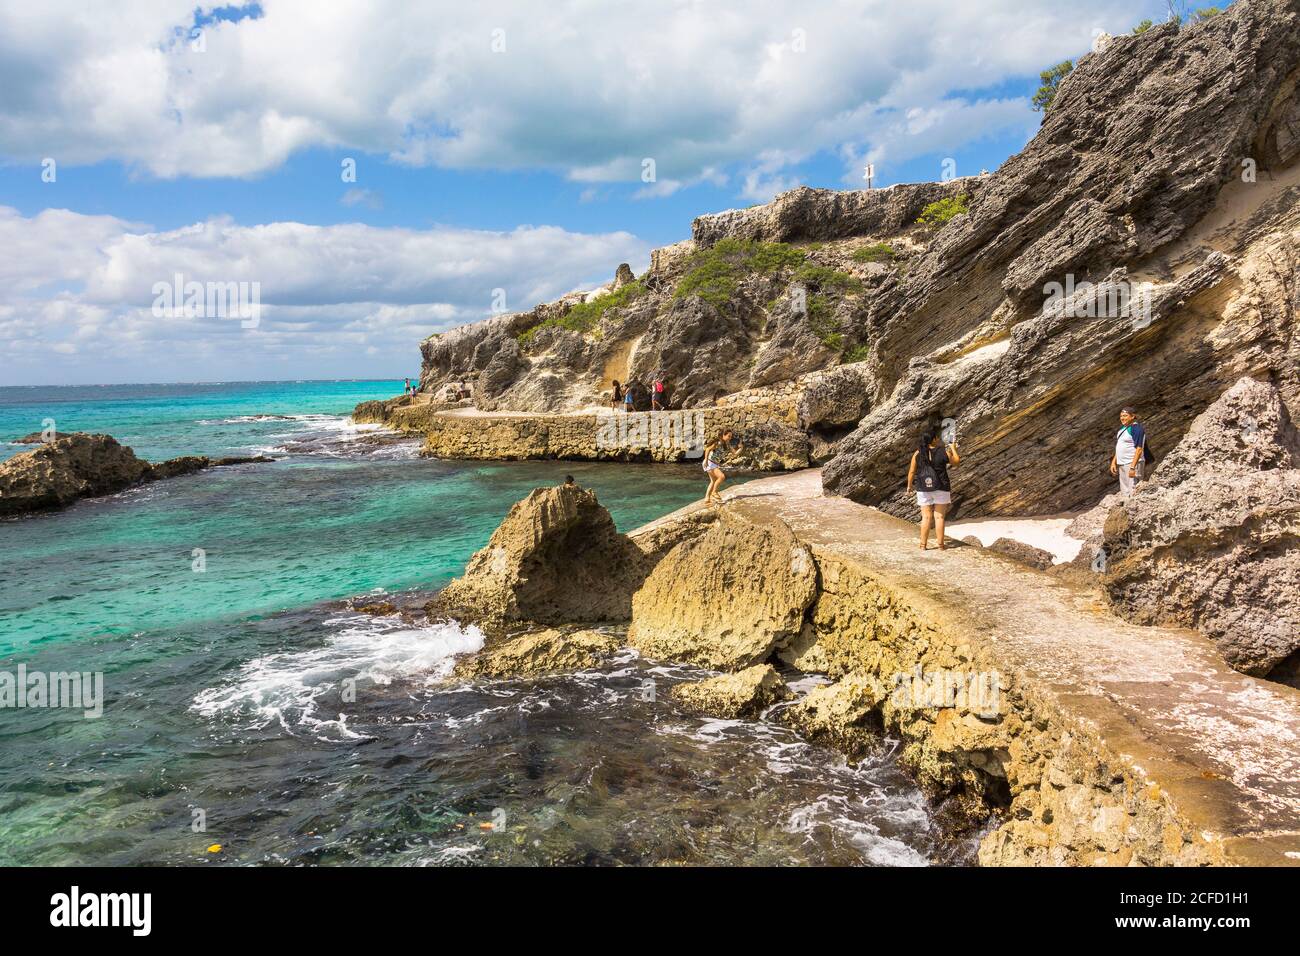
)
(246, 706)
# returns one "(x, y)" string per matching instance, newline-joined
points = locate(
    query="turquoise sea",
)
(247, 707)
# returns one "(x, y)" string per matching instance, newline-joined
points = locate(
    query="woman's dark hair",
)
(616, 383)
(927, 437)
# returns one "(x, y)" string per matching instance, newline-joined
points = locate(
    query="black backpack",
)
(927, 479)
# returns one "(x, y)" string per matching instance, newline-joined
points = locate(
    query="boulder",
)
(539, 653)
(659, 537)
(1212, 542)
(75, 466)
(739, 696)
(556, 558)
(727, 599)
(1248, 428)
(844, 716)
(1022, 553)
(836, 399)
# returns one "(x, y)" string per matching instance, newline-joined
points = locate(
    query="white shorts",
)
(924, 498)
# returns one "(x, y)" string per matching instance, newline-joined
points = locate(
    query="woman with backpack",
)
(929, 474)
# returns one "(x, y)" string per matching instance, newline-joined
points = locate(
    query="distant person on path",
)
(617, 400)
(628, 398)
(1130, 451)
(929, 475)
(408, 386)
(715, 454)
(657, 395)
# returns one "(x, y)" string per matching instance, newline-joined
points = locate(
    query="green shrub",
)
(877, 252)
(944, 210)
(1204, 13)
(585, 316)
(714, 273)
(824, 277)
(1142, 27)
(858, 353)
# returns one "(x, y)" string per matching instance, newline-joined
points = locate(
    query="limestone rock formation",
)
(1212, 542)
(843, 715)
(660, 537)
(75, 466)
(539, 653)
(727, 599)
(556, 558)
(819, 214)
(1119, 258)
(739, 696)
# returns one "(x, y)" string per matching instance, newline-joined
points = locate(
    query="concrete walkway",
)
(1224, 747)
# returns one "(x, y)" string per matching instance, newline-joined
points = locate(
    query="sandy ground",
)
(1046, 533)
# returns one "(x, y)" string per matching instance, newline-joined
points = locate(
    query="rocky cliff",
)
(1141, 249)
(755, 298)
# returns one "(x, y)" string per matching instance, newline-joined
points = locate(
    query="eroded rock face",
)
(556, 558)
(811, 214)
(975, 331)
(1212, 542)
(727, 599)
(739, 696)
(76, 466)
(540, 653)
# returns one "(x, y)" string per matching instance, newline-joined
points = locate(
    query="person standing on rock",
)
(929, 474)
(657, 395)
(617, 400)
(715, 454)
(1130, 451)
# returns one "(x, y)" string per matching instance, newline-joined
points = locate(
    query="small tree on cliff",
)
(1051, 82)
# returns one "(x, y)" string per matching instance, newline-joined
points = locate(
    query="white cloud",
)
(77, 305)
(586, 88)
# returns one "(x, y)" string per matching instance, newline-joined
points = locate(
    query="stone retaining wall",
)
(616, 436)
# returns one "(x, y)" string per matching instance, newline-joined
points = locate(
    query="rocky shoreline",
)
(1073, 742)
(68, 468)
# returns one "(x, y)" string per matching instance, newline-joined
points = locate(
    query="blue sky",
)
(496, 146)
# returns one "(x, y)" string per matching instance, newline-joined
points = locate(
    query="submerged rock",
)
(843, 715)
(556, 558)
(739, 696)
(1213, 541)
(540, 652)
(727, 599)
(75, 466)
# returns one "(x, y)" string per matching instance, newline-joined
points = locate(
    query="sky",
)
(377, 172)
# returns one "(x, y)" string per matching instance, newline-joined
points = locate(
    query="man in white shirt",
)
(1130, 445)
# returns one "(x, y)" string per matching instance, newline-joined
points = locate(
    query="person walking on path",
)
(628, 398)
(1130, 451)
(929, 474)
(408, 386)
(617, 400)
(657, 395)
(715, 455)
